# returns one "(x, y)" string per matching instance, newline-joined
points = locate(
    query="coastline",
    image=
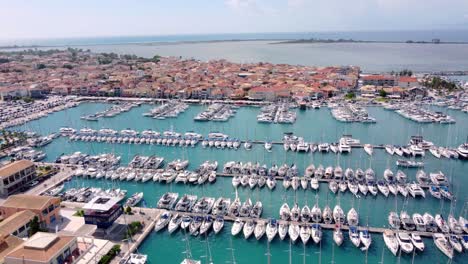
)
(139, 43)
(368, 42)
(272, 41)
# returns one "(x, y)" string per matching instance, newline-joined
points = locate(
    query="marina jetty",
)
(416, 147)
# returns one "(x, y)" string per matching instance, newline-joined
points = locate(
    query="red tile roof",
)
(407, 79)
(377, 77)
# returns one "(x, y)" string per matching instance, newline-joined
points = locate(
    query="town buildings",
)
(102, 211)
(45, 248)
(45, 207)
(74, 72)
(15, 176)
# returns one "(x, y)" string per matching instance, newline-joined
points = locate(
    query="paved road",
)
(65, 173)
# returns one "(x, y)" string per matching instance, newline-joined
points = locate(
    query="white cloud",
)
(252, 7)
(296, 3)
(241, 4)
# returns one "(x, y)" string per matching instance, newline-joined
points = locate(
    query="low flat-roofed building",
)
(45, 248)
(15, 176)
(102, 211)
(17, 224)
(47, 208)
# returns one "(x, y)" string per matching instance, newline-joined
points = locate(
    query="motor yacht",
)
(391, 241)
(417, 241)
(404, 240)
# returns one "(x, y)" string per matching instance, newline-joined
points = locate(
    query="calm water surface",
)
(371, 57)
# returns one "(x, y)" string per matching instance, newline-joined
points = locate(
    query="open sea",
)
(314, 126)
(371, 57)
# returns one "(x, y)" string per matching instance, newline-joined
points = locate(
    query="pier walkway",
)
(279, 178)
(157, 212)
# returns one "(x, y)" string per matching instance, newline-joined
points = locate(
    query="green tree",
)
(383, 93)
(34, 226)
(350, 95)
(156, 58)
(110, 255)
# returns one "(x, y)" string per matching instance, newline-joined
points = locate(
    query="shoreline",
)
(271, 41)
(327, 41)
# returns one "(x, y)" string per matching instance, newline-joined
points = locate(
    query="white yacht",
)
(440, 221)
(354, 236)
(174, 223)
(419, 222)
(163, 220)
(443, 245)
(417, 241)
(323, 147)
(344, 147)
(404, 240)
(415, 190)
(338, 236)
(462, 151)
(338, 215)
(416, 151)
(249, 228)
(365, 238)
(218, 224)
(285, 212)
(268, 146)
(454, 225)
(369, 149)
(453, 239)
(271, 229)
(316, 233)
(390, 149)
(305, 234)
(283, 229)
(237, 227)
(391, 241)
(293, 231)
(352, 217)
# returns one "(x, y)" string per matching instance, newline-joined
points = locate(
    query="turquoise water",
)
(313, 125)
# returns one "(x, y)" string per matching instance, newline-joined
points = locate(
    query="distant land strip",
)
(302, 41)
(272, 41)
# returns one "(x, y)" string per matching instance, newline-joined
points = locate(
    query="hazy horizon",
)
(64, 19)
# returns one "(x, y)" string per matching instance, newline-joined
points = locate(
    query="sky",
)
(91, 18)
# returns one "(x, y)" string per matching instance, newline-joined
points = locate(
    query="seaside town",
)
(83, 73)
(78, 207)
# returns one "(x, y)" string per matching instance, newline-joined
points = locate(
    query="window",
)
(60, 259)
(66, 253)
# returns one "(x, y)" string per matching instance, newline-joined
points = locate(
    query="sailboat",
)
(305, 234)
(271, 229)
(365, 238)
(249, 228)
(338, 235)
